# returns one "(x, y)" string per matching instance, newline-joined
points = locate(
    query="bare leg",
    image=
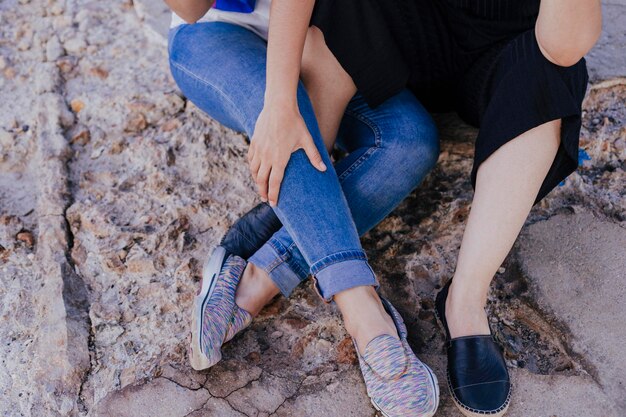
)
(330, 89)
(507, 184)
(255, 290)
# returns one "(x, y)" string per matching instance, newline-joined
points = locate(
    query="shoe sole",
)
(470, 413)
(435, 387)
(210, 272)
(460, 406)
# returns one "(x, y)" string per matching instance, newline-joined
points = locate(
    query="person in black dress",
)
(512, 68)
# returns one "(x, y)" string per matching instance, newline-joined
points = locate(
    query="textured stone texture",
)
(160, 397)
(155, 16)
(572, 263)
(114, 188)
(543, 395)
(607, 59)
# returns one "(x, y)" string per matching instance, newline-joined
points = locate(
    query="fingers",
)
(267, 167)
(268, 178)
(255, 165)
(275, 180)
(312, 153)
(262, 179)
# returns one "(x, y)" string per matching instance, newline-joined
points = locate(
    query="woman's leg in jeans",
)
(391, 149)
(221, 68)
(507, 185)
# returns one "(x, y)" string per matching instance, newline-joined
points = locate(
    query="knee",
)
(184, 58)
(416, 145)
(320, 69)
(314, 47)
(427, 147)
(183, 44)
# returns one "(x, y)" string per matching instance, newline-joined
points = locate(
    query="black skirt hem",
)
(565, 162)
(525, 91)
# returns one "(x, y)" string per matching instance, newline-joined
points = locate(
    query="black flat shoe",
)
(477, 376)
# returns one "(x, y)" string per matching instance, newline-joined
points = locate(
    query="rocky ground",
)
(113, 189)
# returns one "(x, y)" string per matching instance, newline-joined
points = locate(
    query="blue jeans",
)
(221, 68)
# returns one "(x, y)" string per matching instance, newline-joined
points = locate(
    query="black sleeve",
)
(358, 35)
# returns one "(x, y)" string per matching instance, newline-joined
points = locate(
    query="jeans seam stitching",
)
(269, 268)
(279, 283)
(337, 261)
(356, 164)
(368, 122)
(377, 144)
(278, 257)
(295, 265)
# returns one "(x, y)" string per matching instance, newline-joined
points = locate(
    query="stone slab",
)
(607, 59)
(156, 17)
(159, 397)
(576, 265)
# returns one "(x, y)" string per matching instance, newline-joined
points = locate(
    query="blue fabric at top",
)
(239, 6)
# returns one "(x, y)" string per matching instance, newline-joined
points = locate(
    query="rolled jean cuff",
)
(275, 259)
(341, 272)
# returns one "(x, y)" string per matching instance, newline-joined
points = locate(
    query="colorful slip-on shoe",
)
(216, 318)
(240, 320)
(398, 383)
(478, 379)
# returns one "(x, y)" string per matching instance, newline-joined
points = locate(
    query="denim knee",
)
(413, 150)
(416, 144)
(428, 148)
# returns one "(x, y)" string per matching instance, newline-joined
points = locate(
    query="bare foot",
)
(364, 315)
(255, 289)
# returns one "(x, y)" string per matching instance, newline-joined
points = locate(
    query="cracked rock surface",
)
(114, 188)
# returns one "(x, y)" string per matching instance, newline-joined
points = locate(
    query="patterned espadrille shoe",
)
(216, 318)
(398, 383)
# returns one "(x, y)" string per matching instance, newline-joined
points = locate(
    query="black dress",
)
(479, 58)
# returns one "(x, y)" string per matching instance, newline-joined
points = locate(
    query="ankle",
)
(465, 311)
(255, 290)
(363, 293)
(364, 315)
(354, 300)
(467, 293)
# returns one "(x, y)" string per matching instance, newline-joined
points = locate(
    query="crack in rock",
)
(63, 299)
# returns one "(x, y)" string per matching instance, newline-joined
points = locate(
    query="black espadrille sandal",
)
(478, 379)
